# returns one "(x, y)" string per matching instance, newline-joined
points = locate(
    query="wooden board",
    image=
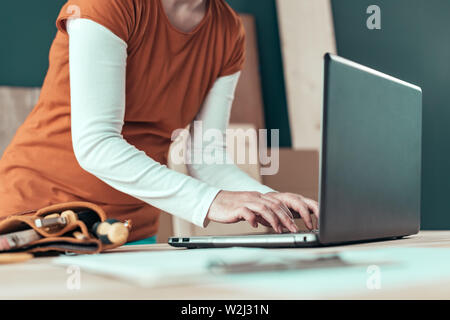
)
(298, 173)
(248, 103)
(15, 105)
(307, 33)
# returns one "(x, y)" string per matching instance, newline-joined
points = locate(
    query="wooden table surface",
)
(39, 279)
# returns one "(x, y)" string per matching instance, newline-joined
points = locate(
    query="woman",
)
(139, 69)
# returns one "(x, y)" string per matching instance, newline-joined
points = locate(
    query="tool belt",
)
(27, 232)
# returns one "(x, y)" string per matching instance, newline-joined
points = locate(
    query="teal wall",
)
(27, 30)
(414, 45)
(26, 39)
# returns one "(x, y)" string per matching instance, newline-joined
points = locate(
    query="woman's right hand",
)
(254, 207)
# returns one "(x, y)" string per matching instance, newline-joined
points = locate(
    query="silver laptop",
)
(370, 171)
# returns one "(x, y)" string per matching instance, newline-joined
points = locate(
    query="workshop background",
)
(281, 87)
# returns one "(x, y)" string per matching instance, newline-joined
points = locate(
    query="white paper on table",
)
(176, 267)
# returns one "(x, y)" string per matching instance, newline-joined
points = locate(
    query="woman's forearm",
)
(97, 80)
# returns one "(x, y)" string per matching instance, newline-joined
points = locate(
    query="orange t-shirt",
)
(169, 74)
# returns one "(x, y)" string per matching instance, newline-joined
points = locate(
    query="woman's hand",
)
(300, 204)
(270, 209)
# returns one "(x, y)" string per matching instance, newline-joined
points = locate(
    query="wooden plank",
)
(298, 173)
(248, 103)
(307, 33)
(15, 105)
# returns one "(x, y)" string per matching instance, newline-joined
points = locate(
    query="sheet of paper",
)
(193, 266)
(162, 267)
(356, 270)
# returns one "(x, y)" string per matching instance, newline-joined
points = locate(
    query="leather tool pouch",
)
(61, 239)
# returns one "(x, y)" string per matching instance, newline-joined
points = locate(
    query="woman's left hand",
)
(298, 203)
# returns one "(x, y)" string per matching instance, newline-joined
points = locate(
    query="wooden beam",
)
(307, 33)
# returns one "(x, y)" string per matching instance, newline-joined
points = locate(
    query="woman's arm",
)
(215, 115)
(97, 84)
(97, 79)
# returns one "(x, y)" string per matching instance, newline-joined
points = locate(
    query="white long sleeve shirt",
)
(97, 60)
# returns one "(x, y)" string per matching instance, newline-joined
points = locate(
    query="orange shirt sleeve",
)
(236, 59)
(116, 15)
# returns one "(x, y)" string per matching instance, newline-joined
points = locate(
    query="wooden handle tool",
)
(111, 231)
